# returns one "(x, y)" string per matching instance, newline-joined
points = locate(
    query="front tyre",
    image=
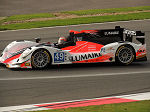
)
(40, 59)
(125, 55)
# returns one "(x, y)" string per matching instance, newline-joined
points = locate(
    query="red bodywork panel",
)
(83, 31)
(26, 64)
(141, 52)
(84, 46)
(87, 52)
(12, 58)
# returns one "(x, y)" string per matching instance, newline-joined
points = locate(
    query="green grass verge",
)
(74, 21)
(28, 16)
(112, 10)
(141, 106)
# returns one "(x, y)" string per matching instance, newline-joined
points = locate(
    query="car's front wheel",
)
(125, 55)
(40, 59)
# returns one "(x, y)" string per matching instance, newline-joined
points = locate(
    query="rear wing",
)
(112, 35)
(129, 34)
(124, 34)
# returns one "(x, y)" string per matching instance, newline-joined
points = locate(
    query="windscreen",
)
(15, 48)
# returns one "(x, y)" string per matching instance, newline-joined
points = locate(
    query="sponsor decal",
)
(111, 48)
(128, 32)
(59, 57)
(141, 51)
(81, 57)
(102, 50)
(111, 33)
(27, 64)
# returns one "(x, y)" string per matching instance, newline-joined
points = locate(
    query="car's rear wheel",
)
(40, 59)
(125, 55)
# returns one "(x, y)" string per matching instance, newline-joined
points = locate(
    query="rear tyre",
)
(125, 55)
(40, 59)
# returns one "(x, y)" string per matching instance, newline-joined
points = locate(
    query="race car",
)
(86, 46)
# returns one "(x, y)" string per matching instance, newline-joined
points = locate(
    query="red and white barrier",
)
(78, 103)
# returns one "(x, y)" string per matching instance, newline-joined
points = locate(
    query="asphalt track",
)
(72, 82)
(13, 7)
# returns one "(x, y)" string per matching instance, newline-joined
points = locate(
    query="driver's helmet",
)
(62, 40)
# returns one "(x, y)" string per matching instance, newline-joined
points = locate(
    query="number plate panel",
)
(59, 57)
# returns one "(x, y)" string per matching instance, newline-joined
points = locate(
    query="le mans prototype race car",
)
(86, 46)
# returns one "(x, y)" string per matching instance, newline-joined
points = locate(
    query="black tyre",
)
(125, 55)
(40, 59)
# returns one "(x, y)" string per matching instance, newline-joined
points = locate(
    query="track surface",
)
(70, 82)
(13, 7)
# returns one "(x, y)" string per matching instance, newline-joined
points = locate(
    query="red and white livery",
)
(87, 46)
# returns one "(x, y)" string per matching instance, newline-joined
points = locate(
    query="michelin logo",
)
(80, 57)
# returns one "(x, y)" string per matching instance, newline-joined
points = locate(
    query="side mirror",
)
(37, 40)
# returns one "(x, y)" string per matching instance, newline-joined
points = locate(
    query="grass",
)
(28, 16)
(74, 21)
(11, 24)
(141, 106)
(112, 10)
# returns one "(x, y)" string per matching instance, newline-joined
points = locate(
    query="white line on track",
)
(2, 69)
(72, 76)
(72, 25)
